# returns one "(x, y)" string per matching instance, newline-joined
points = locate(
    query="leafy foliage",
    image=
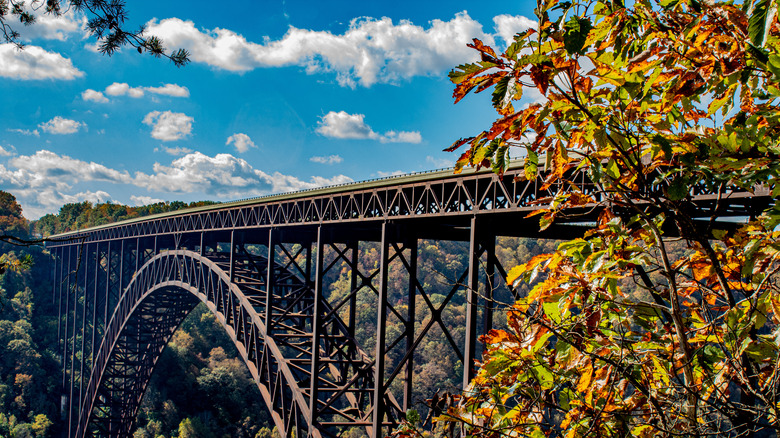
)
(106, 22)
(662, 320)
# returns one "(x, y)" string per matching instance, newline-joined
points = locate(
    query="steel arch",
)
(145, 317)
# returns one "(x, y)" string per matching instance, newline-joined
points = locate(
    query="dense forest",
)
(200, 388)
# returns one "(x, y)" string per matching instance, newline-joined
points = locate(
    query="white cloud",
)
(440, 162)
(177, 151)
(124, 89)
(351, 126)
(46, 168)
(35, 63)
(369, 51)
(242, 142)
(381, 174)
(172, 90)
(26, 132)
(169, 126)
(225, 176)
(344, 125)
(121, 89)
(401, 137)
(144, 200)
(95, 96)
(7, 152)
(50, 26)
(36, 203)
(330, 159)
(507, 26)
(61, 125)
(44, 181)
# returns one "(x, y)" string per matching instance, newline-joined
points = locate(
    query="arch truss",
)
(121, 301)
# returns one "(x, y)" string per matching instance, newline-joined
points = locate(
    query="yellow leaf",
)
(586, 378)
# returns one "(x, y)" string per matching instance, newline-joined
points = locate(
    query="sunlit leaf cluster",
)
(663, 319)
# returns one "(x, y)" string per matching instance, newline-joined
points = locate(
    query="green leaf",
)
(552, 311)
(544, 376)
(531, 168)
(575, 34)
(612, 169)
(678, 189)
(760, 19)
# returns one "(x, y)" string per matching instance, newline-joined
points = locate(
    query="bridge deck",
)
(426, 195)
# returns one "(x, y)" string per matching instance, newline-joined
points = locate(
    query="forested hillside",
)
(83, 215)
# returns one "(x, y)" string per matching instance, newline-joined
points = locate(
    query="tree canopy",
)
(663, 319)
(106, 22)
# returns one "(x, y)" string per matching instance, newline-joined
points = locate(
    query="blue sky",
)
(279, 96)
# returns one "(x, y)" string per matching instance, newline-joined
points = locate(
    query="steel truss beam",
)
(435, 196)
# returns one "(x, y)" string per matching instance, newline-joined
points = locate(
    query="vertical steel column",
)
(73, 333)
(137, 252)
(410, 324)
(316, 323)
(108, 287)
(58, 285)
(84, 324)
(472, 287)
(65, 338)
(94, 309)
(355, 267)
(54, 277)
(381, 322)
(490, 283)
(201, 250)
(232, 251)
(269, 281)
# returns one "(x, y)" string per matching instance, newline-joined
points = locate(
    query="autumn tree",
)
(663, 319)
(106, 22)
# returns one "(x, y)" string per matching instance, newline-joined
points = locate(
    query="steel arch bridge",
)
(263, 265)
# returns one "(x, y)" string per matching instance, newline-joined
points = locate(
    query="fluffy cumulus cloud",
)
(124, 89)
(61, 125)
(52, 27)
(144, 200)
(241, 142)
(225, 176)
(172, 90)
(507, 26)
(352, 126)
(440, 162)
(369, 51)
(94, 96)
(45, 180)
(25, 131)
(35, 63)
(121, 89)
(169, 126)
(7, 151)
(177, 151)
(330, 159)
(46, 168)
